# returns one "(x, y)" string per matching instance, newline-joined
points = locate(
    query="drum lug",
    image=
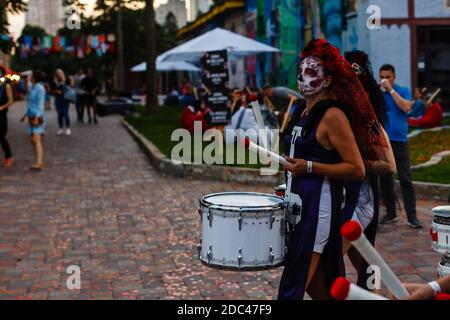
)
(272, 220)
(209, 254)
(283, 227)
(239, 257)
(240, 221)
(271, 255)
(210, 218)
(199, 248)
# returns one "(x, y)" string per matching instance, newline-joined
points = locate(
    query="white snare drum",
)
(440, 229)
(444, 266)
(242, 230)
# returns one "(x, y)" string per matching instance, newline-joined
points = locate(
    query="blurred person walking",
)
(6, 101)
(35, 115)
(79, 76)
(61, 105)
(70, 96)
(90, 86)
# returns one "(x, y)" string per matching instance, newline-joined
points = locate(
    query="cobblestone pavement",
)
(100, 205)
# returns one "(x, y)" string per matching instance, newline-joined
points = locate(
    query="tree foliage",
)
(104, 22)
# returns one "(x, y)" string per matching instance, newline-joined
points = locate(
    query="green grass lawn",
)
(423, 146)
(158, 128)
(439, 173)
(446, 121)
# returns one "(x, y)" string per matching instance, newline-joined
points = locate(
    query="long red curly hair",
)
(348, 90)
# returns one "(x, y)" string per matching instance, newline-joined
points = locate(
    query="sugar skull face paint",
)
(357, 68)
(311, 77)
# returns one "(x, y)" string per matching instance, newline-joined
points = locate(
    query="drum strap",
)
(241, 117)
(296, 132)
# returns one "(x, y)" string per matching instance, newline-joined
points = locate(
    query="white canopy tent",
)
(167, 66)
(216, 39)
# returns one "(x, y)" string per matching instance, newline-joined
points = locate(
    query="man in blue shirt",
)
(398, 103)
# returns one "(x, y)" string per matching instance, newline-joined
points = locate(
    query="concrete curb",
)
(202, 171)
(424, 190)
(417, 132)
(434, 160)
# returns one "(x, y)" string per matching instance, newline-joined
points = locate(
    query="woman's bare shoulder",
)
(335, 116)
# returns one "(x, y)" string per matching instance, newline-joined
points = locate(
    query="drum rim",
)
(246, 268)
(442, 211)
(207, 204)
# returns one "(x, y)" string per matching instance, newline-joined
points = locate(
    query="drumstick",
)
(271, 155)
(343, 289)
(195, 93)
(433, 96)
(287, 114)
(353, 232)
(258, 116)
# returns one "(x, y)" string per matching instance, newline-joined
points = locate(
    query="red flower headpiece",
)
(347, 88)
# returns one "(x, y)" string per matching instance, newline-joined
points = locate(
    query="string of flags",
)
(78, 46)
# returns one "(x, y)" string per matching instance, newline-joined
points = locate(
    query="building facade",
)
(48, 14)
(413, 35)
(196, 6)
(177, 7)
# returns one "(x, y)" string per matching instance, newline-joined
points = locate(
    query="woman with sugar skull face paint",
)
(323, 153)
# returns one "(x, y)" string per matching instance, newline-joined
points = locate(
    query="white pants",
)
(324, 219)
(364, 209)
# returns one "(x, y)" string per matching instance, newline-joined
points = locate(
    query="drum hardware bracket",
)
(209, 254)
(210, 218)
(272, 220)
(199, 248)
(240, 221)
(200, 212)
(271, 255)
(239, 257)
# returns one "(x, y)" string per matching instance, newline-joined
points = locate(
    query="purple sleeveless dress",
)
(301, 244)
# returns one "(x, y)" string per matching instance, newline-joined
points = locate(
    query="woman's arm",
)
(9, 96)
(423, 291)
(340, 136)
(40, 101)
(386, 165)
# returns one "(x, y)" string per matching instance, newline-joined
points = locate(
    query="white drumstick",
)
(259, 118)
(343, 289)
(263, 151)
(353, 232)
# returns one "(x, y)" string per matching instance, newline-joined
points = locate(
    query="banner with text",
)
(216, 80)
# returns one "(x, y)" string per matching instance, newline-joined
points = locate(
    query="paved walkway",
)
(100, 205)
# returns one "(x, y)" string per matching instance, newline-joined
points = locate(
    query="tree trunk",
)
(316, 13)
(151, 102)
(120, 63)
